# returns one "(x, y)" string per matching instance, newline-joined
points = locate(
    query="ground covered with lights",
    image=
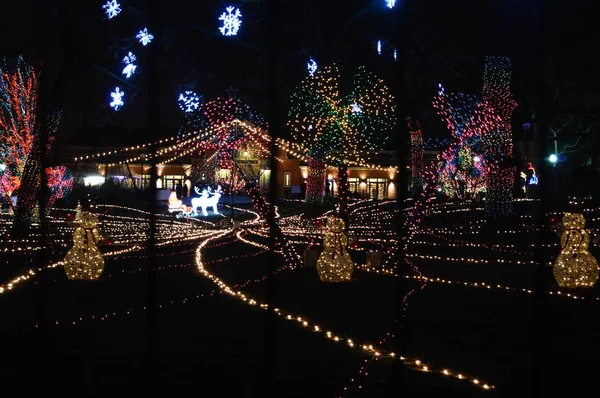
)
(467, 307)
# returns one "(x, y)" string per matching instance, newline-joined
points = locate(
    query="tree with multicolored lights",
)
(462, 166)
(497, 136)
(60, 184)
(18, 100)
(337, 129)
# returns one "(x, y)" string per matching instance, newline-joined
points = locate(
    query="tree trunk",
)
(315, 181)
(343, 194)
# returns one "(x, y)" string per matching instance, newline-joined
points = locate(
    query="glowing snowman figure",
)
(130, 66)
(112, 8)
(117, 99)
(144, 37)
(231, 21)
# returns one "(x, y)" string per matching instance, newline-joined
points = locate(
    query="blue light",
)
(112, 8)
(117, 99)
(231, 21)
(189, 101)
(144, 37)
(390, 3)
(312, 66)
(553, 158)
(379, 47)
(395, 54)
(130, 66)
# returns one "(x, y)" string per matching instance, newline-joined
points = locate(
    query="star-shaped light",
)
(144, 37)
(112, 8)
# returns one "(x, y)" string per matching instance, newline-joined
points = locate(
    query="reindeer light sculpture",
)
(205, 200)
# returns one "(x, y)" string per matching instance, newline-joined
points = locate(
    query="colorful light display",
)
(458, 175)
(340, 128)
(416, 151)
(18, 95)
(232, 21)
(497, 136)
(60, 183)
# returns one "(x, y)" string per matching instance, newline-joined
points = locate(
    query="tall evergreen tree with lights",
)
(339, 129)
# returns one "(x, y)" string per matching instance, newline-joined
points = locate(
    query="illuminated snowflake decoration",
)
(130, 66)
(390, 3)
(144, 37)
(379, 47)
(356, 109)
(117, 99)
(310, 127)
(112, 8)
(189, 101)
(231, 21)
(312, 66)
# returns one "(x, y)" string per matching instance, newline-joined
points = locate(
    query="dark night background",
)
(446, 42)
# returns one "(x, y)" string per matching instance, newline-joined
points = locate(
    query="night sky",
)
(448, 41)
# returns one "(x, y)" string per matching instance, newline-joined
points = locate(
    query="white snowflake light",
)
(188, 101)
(130, 66)
(356, 108)
(144, 37)
(395, 54)
(379, 47)
(310, 127)
(117, 99)
(112, 8)
(312, 66)
(231, 21)
(390, 3)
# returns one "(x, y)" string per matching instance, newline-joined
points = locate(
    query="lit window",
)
(288, 179)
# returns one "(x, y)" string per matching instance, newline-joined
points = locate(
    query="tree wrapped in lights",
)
(334, 263)
(497, 138)
(416, 152)
(338, 129)
(462, 166)
(84, 260)
(18, 100)
(60, 184)
(575, 266)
